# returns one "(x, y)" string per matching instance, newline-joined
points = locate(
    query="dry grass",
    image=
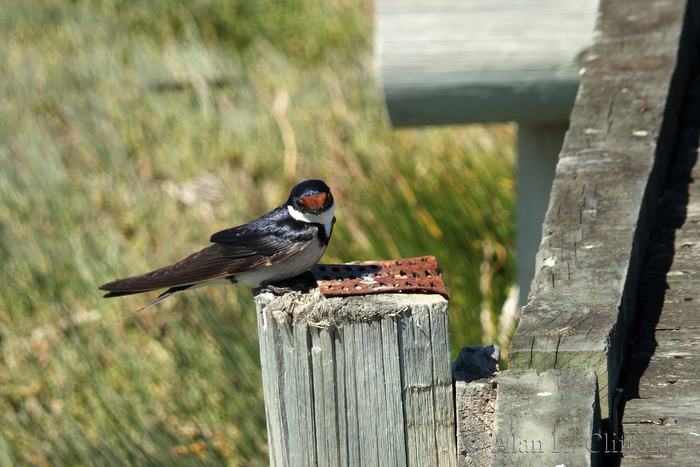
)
(129, 132)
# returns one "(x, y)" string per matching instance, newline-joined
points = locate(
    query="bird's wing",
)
(234, 250)
(205, 265)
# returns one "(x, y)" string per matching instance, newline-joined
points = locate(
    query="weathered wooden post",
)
(358, 380)
(475, 373)
(614, 160)
(569, 354)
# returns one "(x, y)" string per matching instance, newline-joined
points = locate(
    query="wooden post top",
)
(308, 304)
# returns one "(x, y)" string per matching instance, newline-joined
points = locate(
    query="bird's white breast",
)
(287, 269)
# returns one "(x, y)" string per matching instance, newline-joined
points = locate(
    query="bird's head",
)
(311, 201)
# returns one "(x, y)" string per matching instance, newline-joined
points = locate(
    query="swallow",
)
(279, 245)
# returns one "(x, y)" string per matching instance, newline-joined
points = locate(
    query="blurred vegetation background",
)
(132, 130)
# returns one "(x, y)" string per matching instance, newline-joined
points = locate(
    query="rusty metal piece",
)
(414, 275)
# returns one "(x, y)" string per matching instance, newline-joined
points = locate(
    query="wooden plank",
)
(604, 197)
(547, 419)
(665, 364)
(300, 375)
(394, 393)
(443, 398)
(414, 344)
(661, 423)
(378, 395)
(344, 407)
(660, 432)
(357, 380)
(447, 62)
(475, 374)
(326, 407)
(366, 414)
(276, 423)
(351, 392)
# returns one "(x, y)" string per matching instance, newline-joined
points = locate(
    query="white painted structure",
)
(470, 61)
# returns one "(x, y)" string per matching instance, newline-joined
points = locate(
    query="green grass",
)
(129, 132)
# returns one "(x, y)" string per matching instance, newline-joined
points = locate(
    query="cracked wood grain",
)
(662, 383)
(362, 380)
(605, 193)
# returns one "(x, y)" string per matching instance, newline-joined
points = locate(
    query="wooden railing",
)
(365, 380)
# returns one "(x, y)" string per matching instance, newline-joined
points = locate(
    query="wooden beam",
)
(475, 373)
(547, 419)
(361, 380)
(539, 145)
(447, 62)
(661, 423)
(615, 157)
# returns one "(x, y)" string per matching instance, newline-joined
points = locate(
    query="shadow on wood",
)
(605, 193)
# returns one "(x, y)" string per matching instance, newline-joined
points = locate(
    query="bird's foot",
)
(278, 290)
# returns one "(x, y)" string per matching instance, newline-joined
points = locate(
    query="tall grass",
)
(129, 132)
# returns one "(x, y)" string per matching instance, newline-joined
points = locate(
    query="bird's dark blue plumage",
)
(278, 245)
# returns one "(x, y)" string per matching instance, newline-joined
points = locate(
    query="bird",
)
(279, 245)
